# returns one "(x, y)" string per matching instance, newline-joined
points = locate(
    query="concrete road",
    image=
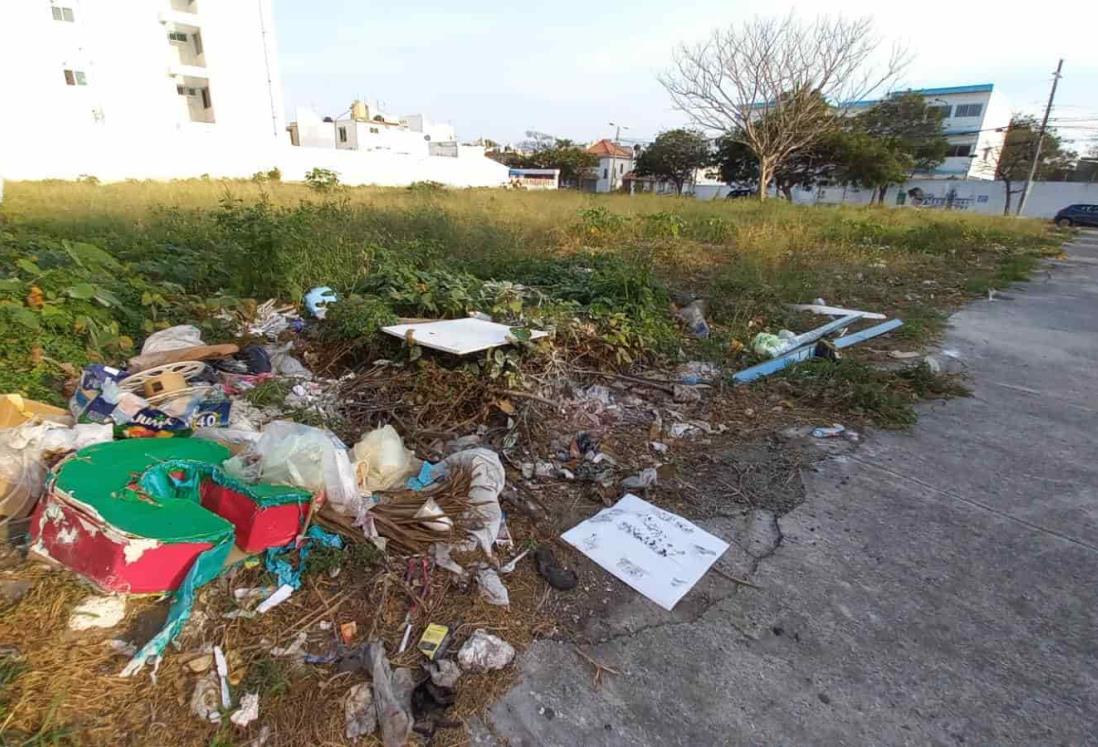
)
(937, 586)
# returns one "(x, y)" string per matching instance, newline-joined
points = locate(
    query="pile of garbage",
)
(162, 476)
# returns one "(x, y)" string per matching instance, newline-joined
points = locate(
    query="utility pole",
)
(617, 142)
(1040, 139)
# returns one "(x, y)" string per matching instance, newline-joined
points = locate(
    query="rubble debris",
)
(685, 394)
(247, 712)
(559, 577)
(271, 320)
(484, 652)
(295, 649)
(459, 336)
(359, 713)
(98, 612)
(634, 541)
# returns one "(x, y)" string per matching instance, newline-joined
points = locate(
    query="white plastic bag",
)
(293, 454)
(488, 479)
(381, 461)
(173, 338)
(25, 452)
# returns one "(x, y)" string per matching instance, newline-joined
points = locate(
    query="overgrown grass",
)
(602, 267)
(883, 397)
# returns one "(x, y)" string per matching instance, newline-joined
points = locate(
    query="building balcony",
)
(179, 70)
(179, 17)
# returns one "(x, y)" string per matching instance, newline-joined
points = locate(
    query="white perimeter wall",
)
(188, 155)
(976, 196)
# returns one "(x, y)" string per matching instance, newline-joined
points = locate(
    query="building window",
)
(177, 36)
(375, 131)
(959, 151)
(342, 134)
(62, 14)
(605, 173)
(197, 39)
(969, 110)
(205, 98)
(75, 78)
(944, 110)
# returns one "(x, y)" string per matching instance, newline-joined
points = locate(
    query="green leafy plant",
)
(322, 180)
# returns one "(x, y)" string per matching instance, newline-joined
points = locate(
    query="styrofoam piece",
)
(458, 336)
(835, 310)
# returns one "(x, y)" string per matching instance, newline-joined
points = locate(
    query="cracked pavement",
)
(936, 586)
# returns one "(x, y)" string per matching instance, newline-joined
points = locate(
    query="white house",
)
(614, 163)
(135, 88)
(163, 89)
(975, 119)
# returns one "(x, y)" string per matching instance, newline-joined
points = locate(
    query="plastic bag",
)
(484, 652)
(381, 461)
(173, 338)
(25, 455)
(488, 479)
(292, 454)
(285, 364)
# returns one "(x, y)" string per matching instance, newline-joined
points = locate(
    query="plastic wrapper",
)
(173, 338)
(288, 453)
(381, 461)
(488, 479)
(26, 453)
(484, 652)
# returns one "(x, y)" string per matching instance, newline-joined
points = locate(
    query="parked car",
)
(1077, 215)
(739, 194)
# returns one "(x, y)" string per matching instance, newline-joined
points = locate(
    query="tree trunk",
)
(1006, 203)
(881, 194)
(764, 177)
(787, 192)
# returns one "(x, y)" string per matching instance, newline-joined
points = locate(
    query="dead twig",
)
(598, 665)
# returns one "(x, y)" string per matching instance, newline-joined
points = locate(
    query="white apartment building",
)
(165, 89)
(975, 119)
(136, 88)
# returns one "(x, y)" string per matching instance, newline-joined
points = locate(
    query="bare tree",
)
(776, 84)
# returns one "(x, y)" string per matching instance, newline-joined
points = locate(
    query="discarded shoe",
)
(559, 578)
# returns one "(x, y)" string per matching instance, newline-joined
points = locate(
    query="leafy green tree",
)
(675, 155)
(891, 140)
(1015, 156)
(812, 165)
(563, 154)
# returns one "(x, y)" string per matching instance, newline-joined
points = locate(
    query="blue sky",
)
(498, 68)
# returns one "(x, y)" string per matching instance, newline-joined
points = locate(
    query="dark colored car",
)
(1077, 215)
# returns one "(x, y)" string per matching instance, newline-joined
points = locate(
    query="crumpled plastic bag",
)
(284, 364)
(381, 461)
(488, 479)
(359, 714)
(173, 338)
(25, 454)
(392, 697)
(293, 454)
(774, 345)
(484, 652)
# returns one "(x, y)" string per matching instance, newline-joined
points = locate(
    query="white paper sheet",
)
(656, 552)
(458, 336)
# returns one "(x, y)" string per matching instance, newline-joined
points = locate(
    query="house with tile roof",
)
(615, 161)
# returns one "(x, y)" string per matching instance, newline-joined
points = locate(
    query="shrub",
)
(322, 180)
